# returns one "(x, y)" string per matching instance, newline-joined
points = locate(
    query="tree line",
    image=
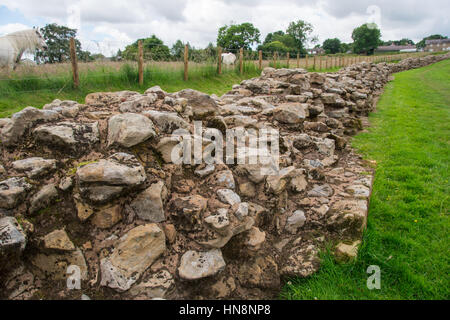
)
(295, 39)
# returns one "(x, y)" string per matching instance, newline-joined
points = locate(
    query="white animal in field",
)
(13, 45)
(228, 59)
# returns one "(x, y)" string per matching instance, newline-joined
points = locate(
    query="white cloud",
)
(12, 27)
(110, 24)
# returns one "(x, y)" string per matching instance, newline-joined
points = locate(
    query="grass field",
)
(408, 225)
(38, 88)
(38, 85)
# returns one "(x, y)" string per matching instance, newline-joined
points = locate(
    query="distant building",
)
(315, 51)
(395, 48)
(437, 45)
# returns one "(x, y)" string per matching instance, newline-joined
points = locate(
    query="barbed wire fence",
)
(159, 62)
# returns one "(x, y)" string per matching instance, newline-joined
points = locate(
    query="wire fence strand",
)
(171, 65)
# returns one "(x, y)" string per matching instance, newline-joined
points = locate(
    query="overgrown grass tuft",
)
(408, 224)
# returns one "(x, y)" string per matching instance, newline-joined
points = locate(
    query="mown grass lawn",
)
(408, 224)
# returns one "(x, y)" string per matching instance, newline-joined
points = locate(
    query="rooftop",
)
(437, 41)
(393, 47)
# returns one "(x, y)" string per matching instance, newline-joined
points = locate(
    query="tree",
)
(273, 36)
(211, 50)
(275, 46)
(177, 50)
(332, 46)
(57, 39)
(153, 47)
(402, 42)
(278, 42)
(421, 44)
(345, 47)
(366, 38)
(238, 36)
(97, 56)
(300, 31)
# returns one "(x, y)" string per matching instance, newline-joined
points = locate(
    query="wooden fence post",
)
(287, 60)
(241, 60)
(260, 59)
(73, 59)
(141, 63)
(186, 62)
(219, 68)
(314, 67)
(306, 61)
(298, 60)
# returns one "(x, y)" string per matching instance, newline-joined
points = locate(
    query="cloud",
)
(114, 23)
(12, 27)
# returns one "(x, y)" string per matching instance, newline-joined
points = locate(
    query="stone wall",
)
(92, 185)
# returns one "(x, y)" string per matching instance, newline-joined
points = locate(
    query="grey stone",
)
(12, 237)
(156, 90)
(58, 240)
(107, 216)
(228, 196)
(219, 220)
(359, 191)
(202, 104)
(102, 180)
(138, 103)
(55, 266)
(68, 135)
(241, 211)
(321, 191)
(167, 121)
(239, 121)
(43, 198)
(149, 204)
(347, 252)
(137, 250)
(156, 286)
(12, 191)
(291, 113)
(205, 171)
(167, 145)
(66, 183)
(225, 178)
(295, 221)
(197, 265)
(70, 112)
(35, 166)
(129, 129)
(12, 133)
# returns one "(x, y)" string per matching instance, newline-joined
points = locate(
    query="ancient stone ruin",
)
(93, 186)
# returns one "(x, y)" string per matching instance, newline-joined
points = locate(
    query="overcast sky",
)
(106, 25)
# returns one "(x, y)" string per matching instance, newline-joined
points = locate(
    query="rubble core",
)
(92, 185)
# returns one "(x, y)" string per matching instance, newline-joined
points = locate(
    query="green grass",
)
(21, 91)
(408, 224)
